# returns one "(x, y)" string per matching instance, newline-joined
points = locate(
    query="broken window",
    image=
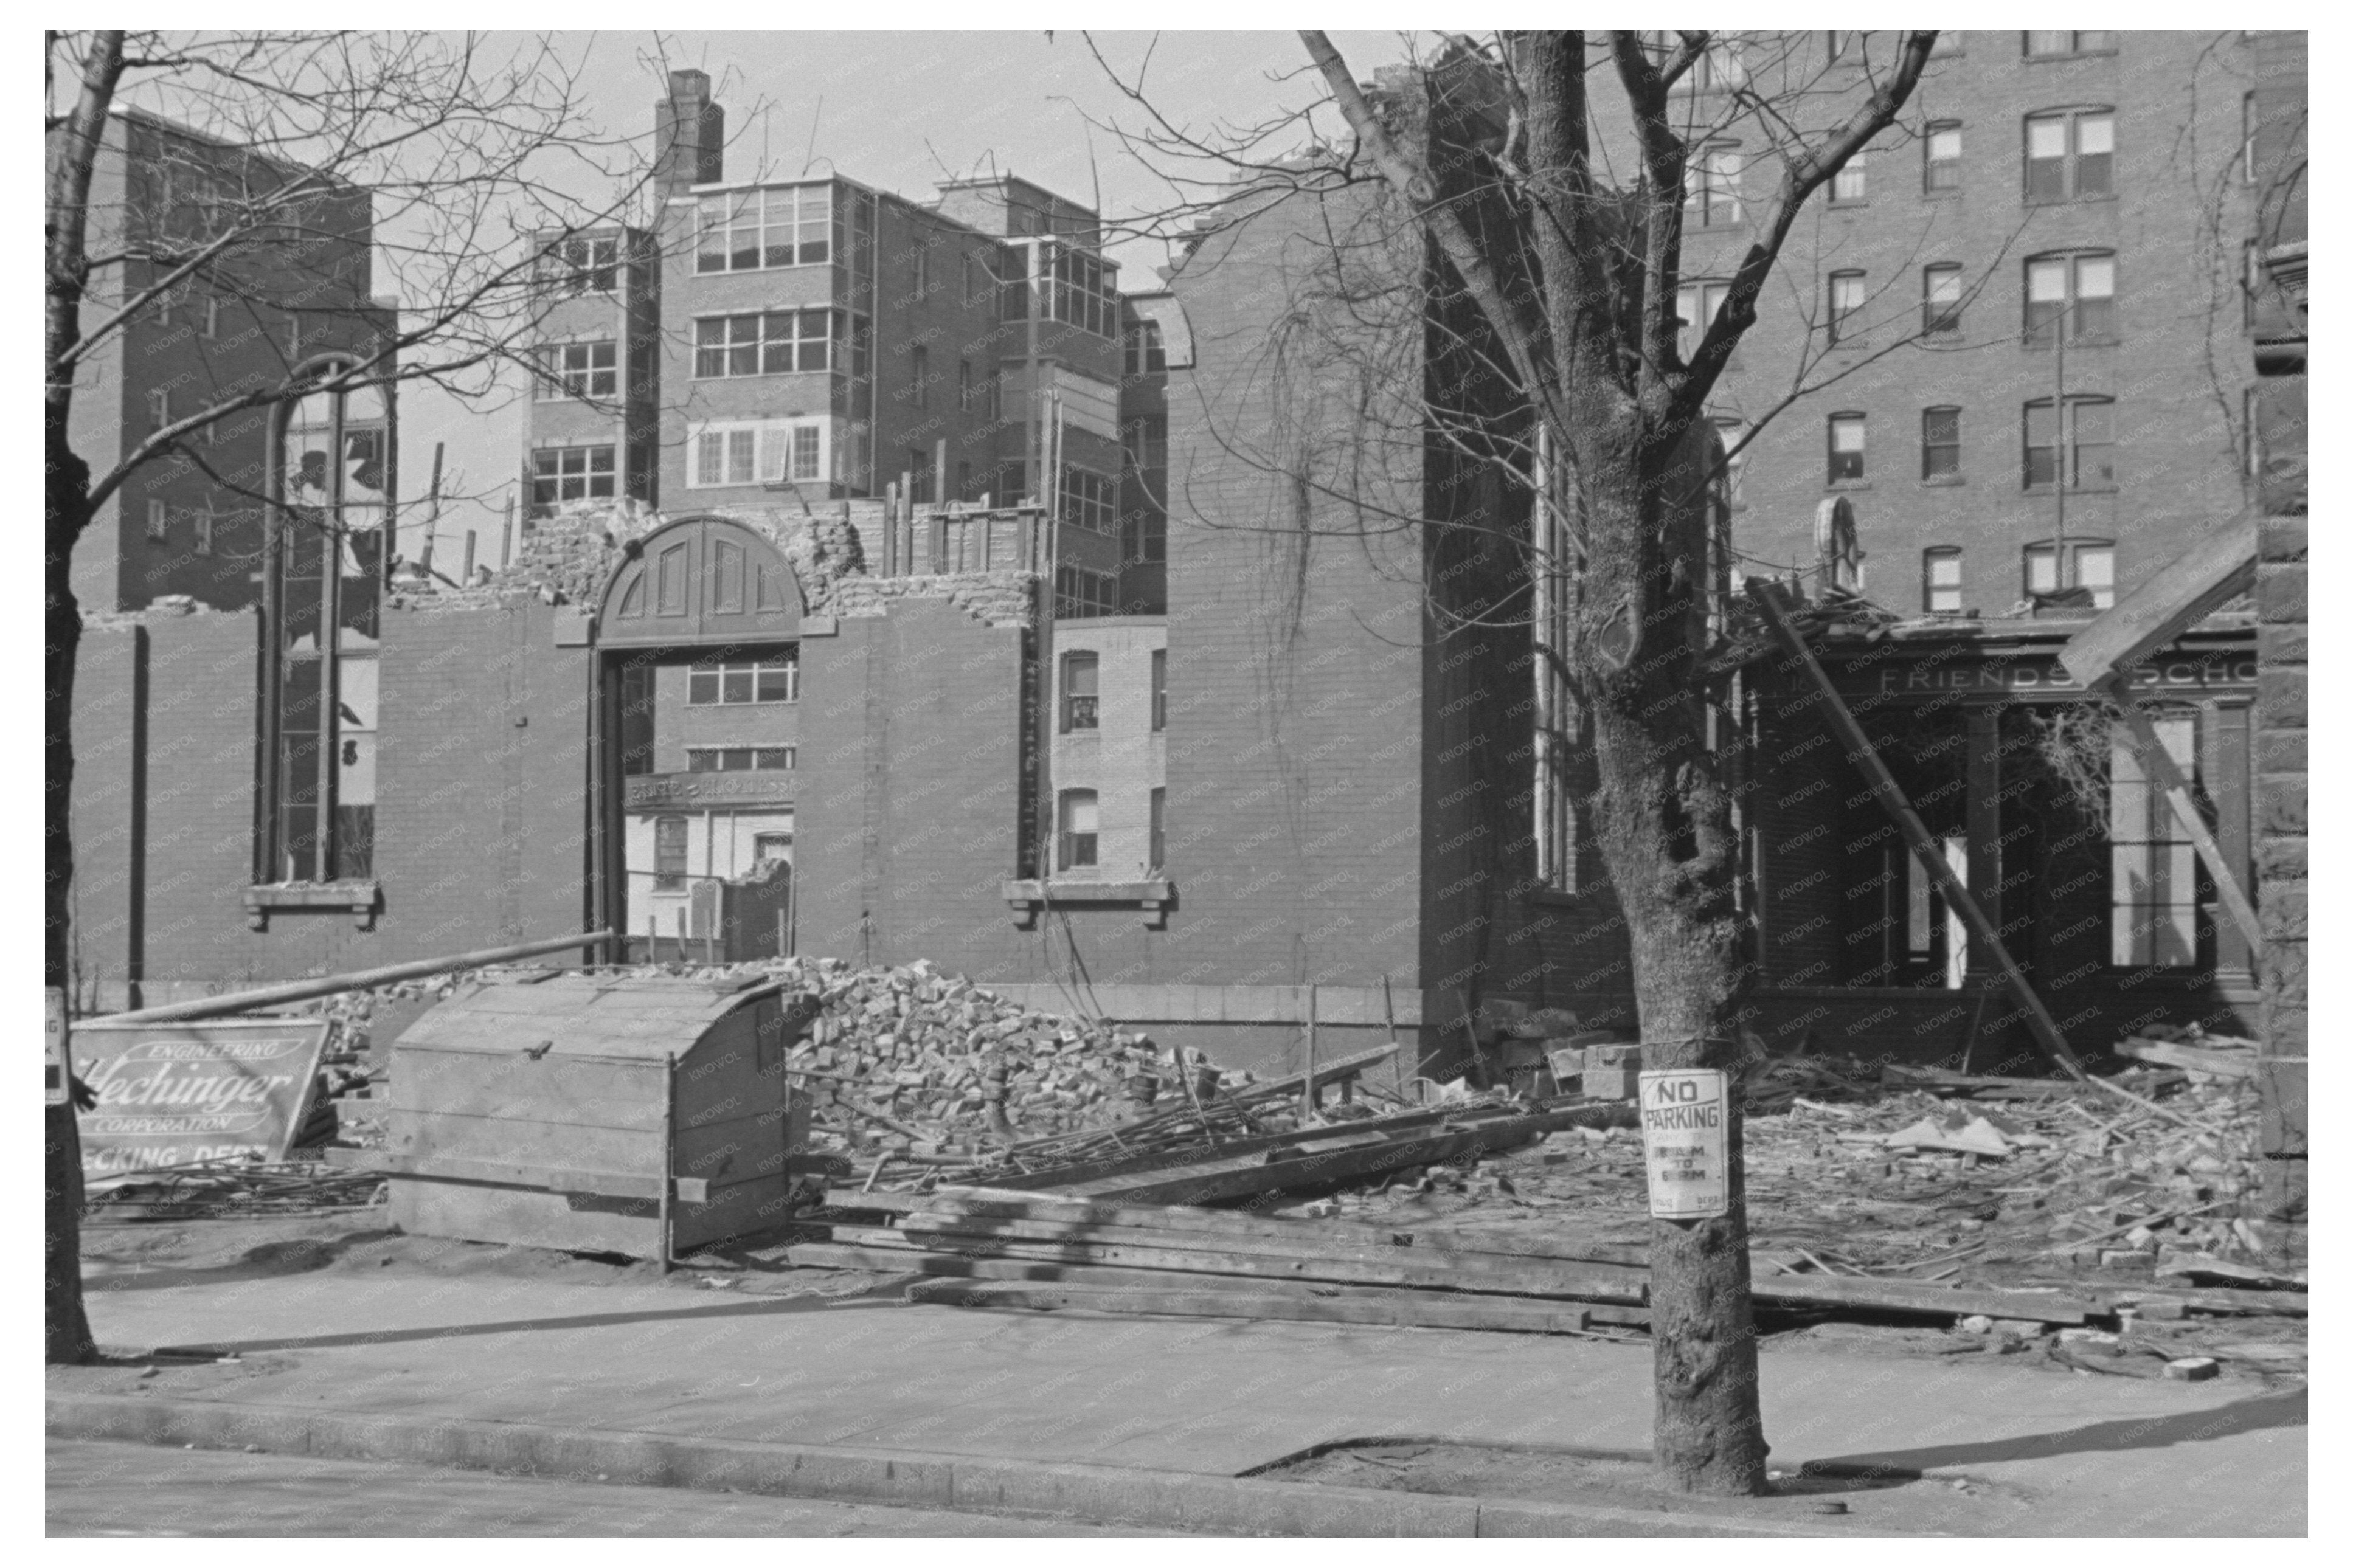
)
(1081, 700)
(1074, 842)
(2153, 867)
(768, 452)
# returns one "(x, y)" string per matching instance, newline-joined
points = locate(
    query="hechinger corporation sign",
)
(173, 1094)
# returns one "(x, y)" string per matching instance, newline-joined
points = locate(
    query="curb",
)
(1175, 1501)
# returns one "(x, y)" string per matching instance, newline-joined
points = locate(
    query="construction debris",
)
(233, 1189)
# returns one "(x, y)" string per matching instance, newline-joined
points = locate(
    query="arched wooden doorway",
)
(698, 634)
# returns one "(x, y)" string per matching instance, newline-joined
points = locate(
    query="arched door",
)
(699, 635)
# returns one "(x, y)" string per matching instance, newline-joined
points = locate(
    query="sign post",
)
(55, 1046)
(1683, 1142)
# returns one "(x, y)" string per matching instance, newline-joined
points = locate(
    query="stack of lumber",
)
(1011, 1248)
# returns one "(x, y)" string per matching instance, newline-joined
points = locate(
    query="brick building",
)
(259, 311)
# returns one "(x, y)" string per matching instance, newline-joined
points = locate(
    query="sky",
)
(900, 112)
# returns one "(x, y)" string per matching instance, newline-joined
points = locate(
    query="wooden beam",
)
(546, 1178)
(2185, 590)
(1931, 856)
(1380, 1308)
(2162, 771)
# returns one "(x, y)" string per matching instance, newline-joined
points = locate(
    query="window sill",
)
(1943, 481)
(359, 899)
(2067, 201)
(2073, 344)
(1028, 897)
(2044, 492)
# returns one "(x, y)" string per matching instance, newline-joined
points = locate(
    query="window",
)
(158, 522)
(1846, 449)
(773, 343)
(670, 853)
(560, 474)
(1940, 444)
(2070, 155)
(1849, 183)
(1846, 304)
(964, 386)
(2078, 290)
(1090, 502)
(761, 452)
(209, 317)
(577, 370)
(1159, 851)
(1940, 298)
(2087, 443)
(919, 268)
(919, 370)
(1146, 353)
(1940, 579)
(741, 759)
(1944, 155)
(1712, 188)
(1082, 706)
(776, 678)
(1079, 289)
(1080, 594)
(2086, 563)
(2152, 865)
(1159, 689)
(159, 407)
(1696, 304)
(2040, 45)
(772, 848)
(579, 265)
(1075, 844)
(745, 230)
(1718, 70)
(205, 521)
(324, 539)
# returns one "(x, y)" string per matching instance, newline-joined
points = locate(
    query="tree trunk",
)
(1664, 821)
(67, 1336)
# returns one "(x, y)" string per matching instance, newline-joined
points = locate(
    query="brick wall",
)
(106, 814)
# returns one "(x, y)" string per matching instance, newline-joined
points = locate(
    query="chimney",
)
(690, 133)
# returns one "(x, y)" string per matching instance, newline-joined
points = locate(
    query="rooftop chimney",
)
(690, 134)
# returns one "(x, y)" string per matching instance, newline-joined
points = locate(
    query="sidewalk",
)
(1153, 1397)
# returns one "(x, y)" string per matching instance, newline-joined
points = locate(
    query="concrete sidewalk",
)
(2048, 1455)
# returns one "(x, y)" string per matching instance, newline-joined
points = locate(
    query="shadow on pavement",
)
(765, 1307)
(2288, 1408)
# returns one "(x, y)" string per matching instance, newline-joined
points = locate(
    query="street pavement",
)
(133, 1490)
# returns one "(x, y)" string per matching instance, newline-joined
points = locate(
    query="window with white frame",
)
(1696, 304)
(1940, 443)
(1851, 183)
(2070, 154)
(1078, 287)
(1712, 186)
(1940, 579)
(577, 370)
(579, 264)
(2044, 44)
(743, 231)
(1080, 594)
(755, 452)
(1940, 298)
(727, 683)
(2053, 567)
(560, 474)
(2153, 865)
(1090, 502)
(2078, 449)
(1074, 839)
(1846, 449)
(1846, 300)
(1943, 153)
(770, 342)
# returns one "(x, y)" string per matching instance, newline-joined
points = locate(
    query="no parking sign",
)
(1684, 1135)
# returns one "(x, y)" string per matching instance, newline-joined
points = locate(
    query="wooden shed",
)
(599, 1113)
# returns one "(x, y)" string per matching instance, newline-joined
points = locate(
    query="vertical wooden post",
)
(669, 1156)
(465, 576)
(1308, 1104)
(1984, 785)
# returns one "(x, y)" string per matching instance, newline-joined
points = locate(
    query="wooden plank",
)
(1904, 1296)
(1399, 1311)
(554, 1144)
(577, 1093)
(1925, 849)
(2162, 771)
(544, 1178)
(1536, 1277)
(2169, 1053)
(954, 1230)
(1211, 1181)
(524, 1216)
(2185, 590)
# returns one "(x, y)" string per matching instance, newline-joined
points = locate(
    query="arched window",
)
(323, 562)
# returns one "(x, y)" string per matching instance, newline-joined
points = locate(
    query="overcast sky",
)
(900, 112)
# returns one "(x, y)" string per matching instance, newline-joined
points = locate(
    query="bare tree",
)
(1509, 294)
(291, 180)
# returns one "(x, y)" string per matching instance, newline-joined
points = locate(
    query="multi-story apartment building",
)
(260, 313)
(2022, 313)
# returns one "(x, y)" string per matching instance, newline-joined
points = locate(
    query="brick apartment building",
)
(1285, 766)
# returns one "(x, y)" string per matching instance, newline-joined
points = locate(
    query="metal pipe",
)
(327, 985)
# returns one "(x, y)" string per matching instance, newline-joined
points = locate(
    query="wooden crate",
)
(643, 1116)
